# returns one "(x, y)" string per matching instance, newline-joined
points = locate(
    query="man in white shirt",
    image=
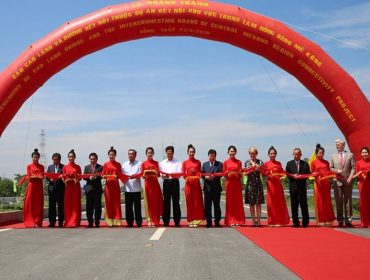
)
(132, 189)
(171, 187)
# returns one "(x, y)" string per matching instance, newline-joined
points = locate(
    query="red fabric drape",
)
(112, 171)
(323, 204)
(277, 210)
(72, 195)
(193, 191)
(234, 213)
(364, 188)
(153, 193)
(33, 206)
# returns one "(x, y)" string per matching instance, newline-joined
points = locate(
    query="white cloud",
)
(350, 25)
(357, 14)
(209, 132)
(362, 76)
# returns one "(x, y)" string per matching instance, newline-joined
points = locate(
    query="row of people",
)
(158, 204)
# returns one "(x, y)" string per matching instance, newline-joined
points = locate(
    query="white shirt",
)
(131, 168)
(170, 166)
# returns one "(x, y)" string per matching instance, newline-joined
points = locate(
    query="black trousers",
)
(56, 197)
(171, 191)
(93, 206)
(298, 197)
(133, 203)
(212, 197)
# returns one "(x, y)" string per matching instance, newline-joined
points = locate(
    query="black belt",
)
(171, 180)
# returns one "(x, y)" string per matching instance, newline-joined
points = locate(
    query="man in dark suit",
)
(56, 192)
(94, 191)
(212, 189)
(298, 188)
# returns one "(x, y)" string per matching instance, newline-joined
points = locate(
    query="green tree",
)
(6, 187)
(22, 188)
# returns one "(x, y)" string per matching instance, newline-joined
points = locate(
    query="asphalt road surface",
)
(137, 253)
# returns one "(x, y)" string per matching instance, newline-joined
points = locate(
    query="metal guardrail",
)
(355, 193)
(10, 200)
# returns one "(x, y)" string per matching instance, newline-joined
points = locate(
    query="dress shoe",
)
(217, 224)
(296, 225)
(305, 225)
(90, 226)
(138, 225)
(208, 225)
(97, 225)
(349, 224)
(51, 226)
(340, 224)
(177, 225)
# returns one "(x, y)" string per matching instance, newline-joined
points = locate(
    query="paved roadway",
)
(180, 253)
(145, 253)
(123, 253)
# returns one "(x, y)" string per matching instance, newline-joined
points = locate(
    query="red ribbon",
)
(245, 171)
(362, 173)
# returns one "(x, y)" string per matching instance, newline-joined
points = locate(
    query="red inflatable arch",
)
(300, 57)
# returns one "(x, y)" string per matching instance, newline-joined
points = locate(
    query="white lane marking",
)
(157, 234)
(5, 229)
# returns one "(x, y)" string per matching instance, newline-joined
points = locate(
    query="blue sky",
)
(178, 90)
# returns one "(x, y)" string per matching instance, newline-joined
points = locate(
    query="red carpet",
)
(315, 253)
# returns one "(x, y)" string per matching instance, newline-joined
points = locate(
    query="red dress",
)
(277, 210)
(153, 193)
(33, 208)
(112, 171)
(323, 204)
(72, 195)
(364, 188)
(193, 191)
(234, 213)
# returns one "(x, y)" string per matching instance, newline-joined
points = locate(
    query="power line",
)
(286, 103)
(42, 148)
(27, 135)
(328, 36)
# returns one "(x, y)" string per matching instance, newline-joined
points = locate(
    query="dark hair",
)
(231, 147)
(190, 146)
(132, 150)
(272, 148)
(212, 151)
(147, 149)
(113, 150)
(35, 152)
(72, 152)
(56, 155)
(365, 148)
(93, 155)
(170, 148)
(318, 148)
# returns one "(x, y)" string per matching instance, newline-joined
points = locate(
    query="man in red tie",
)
(343, 164)
(298, 188)
(94, 191)
(56, 192)
(212, 189)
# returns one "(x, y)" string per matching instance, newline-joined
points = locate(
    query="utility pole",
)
(42, 148)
